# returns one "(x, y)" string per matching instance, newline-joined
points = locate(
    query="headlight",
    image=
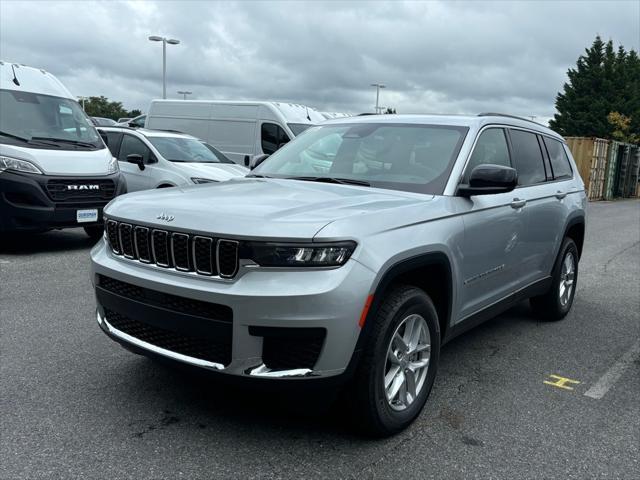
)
(113, 166)
(309, 255)
(8, 163)
(202, 180)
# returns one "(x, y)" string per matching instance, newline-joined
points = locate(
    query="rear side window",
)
(491, 148)
(272, 136)
(131, 145)
(558, 157)
(113, 142)
(527, 157)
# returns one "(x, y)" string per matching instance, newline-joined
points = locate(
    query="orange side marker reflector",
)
(365, 310)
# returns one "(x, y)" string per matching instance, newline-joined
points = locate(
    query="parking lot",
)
(76, 405)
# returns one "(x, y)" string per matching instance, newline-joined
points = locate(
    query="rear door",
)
(544, 201)
(493, 230)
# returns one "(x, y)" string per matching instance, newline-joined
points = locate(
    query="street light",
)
(164, 40)
(184, 93)
(82, 99)
(378, 87)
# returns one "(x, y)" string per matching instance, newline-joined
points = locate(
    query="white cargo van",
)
(237, 129)
(55, 170)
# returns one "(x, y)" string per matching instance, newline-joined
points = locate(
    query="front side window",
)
(273, 137)
(491, 148)
(558, 157)
(132, 145)
(527, 157)
(113, 142)
(181, 149)
(298, 128)
(45, 121)
(408, 157)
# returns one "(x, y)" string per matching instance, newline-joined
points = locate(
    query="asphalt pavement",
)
(74, 404)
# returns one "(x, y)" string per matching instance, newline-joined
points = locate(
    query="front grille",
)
(80, 189)
(290, 348)
(212, 350)
(182, 251)
(213, 311)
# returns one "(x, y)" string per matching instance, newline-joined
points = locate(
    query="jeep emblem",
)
(165, 217)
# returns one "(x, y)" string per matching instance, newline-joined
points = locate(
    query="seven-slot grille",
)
(184, 252)
(80, 189)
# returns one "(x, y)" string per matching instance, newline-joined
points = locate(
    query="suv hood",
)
(62, 161)
(257, 208)
(214, 171)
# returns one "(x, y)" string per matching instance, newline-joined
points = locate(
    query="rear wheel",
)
(94, 232)
(556, 303)
(399, 363)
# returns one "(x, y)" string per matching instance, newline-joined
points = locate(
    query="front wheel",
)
(399, 362)
(556, 303)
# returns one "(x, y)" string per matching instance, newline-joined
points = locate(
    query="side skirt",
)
(539, 287)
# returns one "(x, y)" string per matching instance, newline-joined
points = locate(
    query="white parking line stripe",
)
(602, 386)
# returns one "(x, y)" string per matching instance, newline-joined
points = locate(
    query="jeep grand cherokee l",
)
(356, 262)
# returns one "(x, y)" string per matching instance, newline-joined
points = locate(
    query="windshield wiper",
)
(342, 181)
(65, 140)
(17, 137)
(256, 175)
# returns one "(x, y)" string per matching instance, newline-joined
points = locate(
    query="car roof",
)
(30, 79)
(146, 132)
(477, 121)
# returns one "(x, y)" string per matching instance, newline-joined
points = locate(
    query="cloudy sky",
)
(435, 56)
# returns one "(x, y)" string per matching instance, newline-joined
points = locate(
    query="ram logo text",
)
(83, 187)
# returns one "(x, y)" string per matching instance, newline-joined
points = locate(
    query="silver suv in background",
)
(158, 159)
(412, 230)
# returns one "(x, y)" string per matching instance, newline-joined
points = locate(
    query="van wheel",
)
(556, 303)
(399, 363)
(94, 232)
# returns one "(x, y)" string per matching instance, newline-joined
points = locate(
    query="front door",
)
(136, 179)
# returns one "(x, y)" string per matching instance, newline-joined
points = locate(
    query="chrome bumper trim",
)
(264, 371)
(160, 351)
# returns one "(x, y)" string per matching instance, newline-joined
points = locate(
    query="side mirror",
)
(489, 179)
(280, 145)
(136, 159)
(247, 160)
(257, 160)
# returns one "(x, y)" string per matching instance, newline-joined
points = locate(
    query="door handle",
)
(517, 203)
(560, 195)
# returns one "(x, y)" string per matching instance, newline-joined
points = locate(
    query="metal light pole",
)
(184, 93)
(378, 87)
(164, 40)
(82, 99)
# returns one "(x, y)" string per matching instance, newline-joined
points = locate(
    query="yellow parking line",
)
(560, 382)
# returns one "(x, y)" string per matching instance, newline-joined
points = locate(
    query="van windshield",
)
(409, 157)
(44, 121)
(181, 149)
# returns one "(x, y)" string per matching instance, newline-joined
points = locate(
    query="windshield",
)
(44, 121)
(181, 149)
(298, 128)
(416, 158)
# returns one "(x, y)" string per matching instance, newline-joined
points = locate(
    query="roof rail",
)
(493, 114)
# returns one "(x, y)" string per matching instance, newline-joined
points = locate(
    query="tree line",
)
(102, 107)
(602, 95)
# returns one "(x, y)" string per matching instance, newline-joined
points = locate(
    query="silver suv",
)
(353, 253)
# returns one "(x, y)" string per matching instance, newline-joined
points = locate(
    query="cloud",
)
(456, 57)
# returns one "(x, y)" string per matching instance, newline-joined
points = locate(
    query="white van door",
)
(272, 137)
(136, 179)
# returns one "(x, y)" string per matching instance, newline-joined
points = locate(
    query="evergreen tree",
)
(603, 81)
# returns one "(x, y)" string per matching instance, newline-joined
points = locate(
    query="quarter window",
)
(131, 145)
(491, 148)
(527, 158)
(559, 160)
(273, 136)
(113, 142)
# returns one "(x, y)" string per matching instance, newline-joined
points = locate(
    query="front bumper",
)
(26, 205)
(263, 302)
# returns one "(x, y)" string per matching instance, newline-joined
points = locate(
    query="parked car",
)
(422, 227)
(157, 159)
(137, 122)
(239, 129)
(103, 122)
(55, 171)
(123, 119)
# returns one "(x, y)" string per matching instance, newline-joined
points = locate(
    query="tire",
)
(556, 303)
(373, 412)
(94, 232)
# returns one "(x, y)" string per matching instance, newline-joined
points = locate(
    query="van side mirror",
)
(247, 160)
(489, 179)
(136, 159)
(257, 160)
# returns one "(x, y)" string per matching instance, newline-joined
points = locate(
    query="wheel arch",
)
(575, 229)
